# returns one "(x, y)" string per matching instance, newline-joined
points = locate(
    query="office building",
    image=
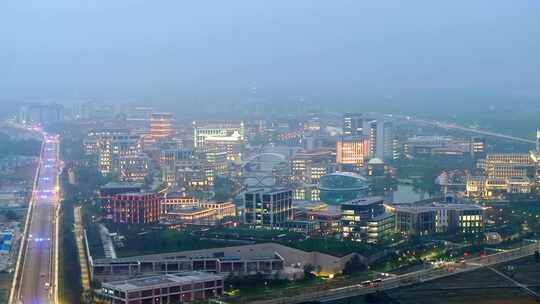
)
(161, 126)
(169, 288)
(355, 215)
(431, 218)
(380, 228)
(353, 124)
(352, 152)
(268, 207)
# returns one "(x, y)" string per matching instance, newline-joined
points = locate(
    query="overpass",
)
(406, 279)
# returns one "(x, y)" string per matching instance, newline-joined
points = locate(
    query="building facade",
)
(268, 207)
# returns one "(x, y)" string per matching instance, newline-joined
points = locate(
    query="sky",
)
(393, 54)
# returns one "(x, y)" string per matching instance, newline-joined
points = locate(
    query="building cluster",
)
(367, 219)
(127, 203)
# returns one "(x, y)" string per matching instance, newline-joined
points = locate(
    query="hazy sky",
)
(325, 51)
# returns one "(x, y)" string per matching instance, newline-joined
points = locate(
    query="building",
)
(134, 168)
(353, 124)
(340, 187)
(268, 207)
(309, 166)
(381, 139)
(133, 208)
(161, 126)
(432, 217)
(313, 123)
(45, 114)
(176, 200)
(327, 217)
(192, 216)
(169, 288)
(352, 152)
(93, 140)
(481, 187)
(478, 147)
(427, 146)
(223, 209)
(215, 164)
(112, 147)
(220, 136)
(505, 165)
(380, 228)
(377, 168)
(355, 215)
(251, 259)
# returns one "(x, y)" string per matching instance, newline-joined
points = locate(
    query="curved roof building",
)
(343, 181)
(339, 187)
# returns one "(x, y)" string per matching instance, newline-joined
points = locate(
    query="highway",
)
(36, 281)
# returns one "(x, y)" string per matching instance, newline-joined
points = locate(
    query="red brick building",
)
(134, 208)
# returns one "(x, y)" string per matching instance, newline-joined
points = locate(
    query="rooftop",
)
(161, 280)
(364, 201)
(113, 185)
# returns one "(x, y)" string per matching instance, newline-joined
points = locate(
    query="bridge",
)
(453, 126)
(407, 279)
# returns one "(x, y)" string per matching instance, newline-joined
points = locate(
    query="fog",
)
(387, 55)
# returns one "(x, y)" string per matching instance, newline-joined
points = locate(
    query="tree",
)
(308, 271)
(354, 265)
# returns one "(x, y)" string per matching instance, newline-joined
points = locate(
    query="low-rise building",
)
(170, 288)
(431, 217)
(380, 228)
(355, 215)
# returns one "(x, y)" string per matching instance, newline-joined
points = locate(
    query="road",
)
(407, 279)
(36, 282)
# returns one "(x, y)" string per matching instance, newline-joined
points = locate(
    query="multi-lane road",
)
(36, 281)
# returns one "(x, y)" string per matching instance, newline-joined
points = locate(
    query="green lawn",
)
(165, 241)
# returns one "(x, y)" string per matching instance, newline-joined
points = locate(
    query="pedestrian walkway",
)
(79, 237)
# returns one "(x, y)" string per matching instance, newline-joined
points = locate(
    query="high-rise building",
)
(161, 126)
(353, 124)
(352, 152)
(381, 139)
(268, 207)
